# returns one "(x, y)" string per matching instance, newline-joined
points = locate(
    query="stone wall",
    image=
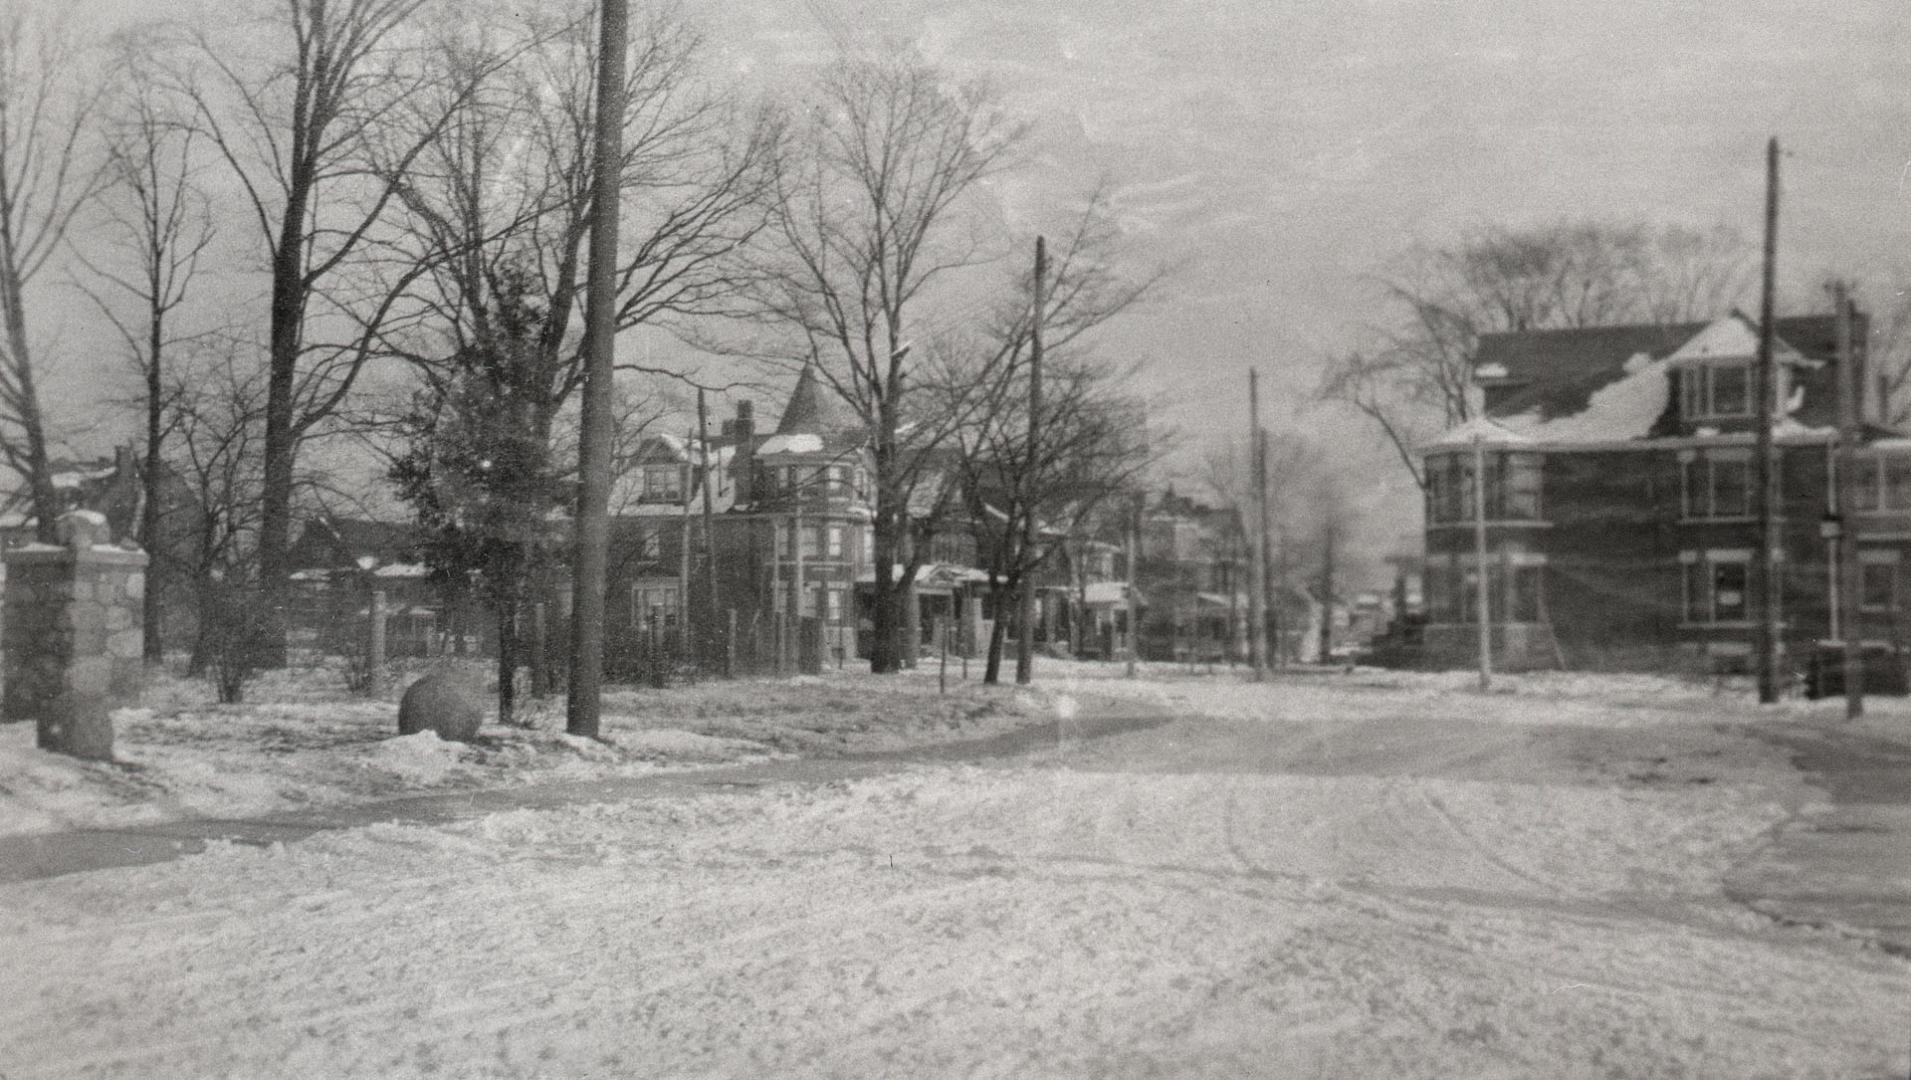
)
(73, 635)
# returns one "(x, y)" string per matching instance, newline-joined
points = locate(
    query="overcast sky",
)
(1277, 150)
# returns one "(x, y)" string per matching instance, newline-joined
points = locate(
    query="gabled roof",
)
(332, 542)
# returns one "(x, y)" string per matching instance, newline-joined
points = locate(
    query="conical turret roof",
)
(814, 409)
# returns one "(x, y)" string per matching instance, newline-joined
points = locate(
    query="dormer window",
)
(1716, 389)
(663, 483)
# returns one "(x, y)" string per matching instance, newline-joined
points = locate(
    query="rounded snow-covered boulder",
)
(442, 702)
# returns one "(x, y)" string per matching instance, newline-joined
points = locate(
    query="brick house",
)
(789, 522)
(1619, 471)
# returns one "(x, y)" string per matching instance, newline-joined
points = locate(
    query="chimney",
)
(744, 427)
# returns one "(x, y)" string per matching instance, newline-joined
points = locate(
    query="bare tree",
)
(1888, 355)
(1310, 516)
(1091, 440)
(866, 220)
(48, 171)
(499, 206)
(1091, 449)
(215, 405)
(1415, 375)
(320, 117)
(158, 224)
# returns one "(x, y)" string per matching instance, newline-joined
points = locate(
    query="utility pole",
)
(710, 461)
(1257, 562)
(1134, 552)
(1850, 574)
(1266, 556)
(1025, 641)
(1765, 591)
(600, 340)
(683, 558)
(1484, 608)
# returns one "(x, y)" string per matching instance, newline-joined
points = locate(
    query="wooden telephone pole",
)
(1025, 640)
(1765, 578)
(600, 339)
(1257, 564)
(1851, 631)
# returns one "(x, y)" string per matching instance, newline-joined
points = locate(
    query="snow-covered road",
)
(1234, 897)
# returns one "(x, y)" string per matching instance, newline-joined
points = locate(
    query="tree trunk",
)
(885, 652)
(1327, 596)
(507, 660)
(155, 646)
(992, 671)
(275, 502)
(46, 505)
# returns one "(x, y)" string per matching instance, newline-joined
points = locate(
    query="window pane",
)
(1880, 586)
(1522, 498)
(1523, 606)
(1731, 390)
(1897, 483)
(1692, 488)
(1731, 487)
(1864, 485)
(1728, 592)
(1698, 606)
(1439, 587)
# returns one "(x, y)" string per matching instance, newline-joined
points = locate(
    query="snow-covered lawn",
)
(301, 741)
(1501, 891)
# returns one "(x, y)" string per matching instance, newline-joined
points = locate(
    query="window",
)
(654, 605)
(1442, 606)
(1512, 487)
(663, 483)
(650, 541)
(1722, 389)
(1865, 479)
(1522, 599)
(835, 549)
(1520, 492)
(1717, 484)
(1717, 586)
(1897, 483)
(1879, 580)
(834, 599)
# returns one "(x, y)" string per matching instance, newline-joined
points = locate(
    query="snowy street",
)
(1302, 879)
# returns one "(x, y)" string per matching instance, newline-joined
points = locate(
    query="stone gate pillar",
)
(73, 635)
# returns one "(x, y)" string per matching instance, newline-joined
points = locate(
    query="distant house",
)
(1618, 499)
(109, 485)
(1192, 574)
(338, 563)
(789, 524)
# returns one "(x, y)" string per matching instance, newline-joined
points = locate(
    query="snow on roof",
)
(799, 443)
(1105, 592)
(1734, 337)
(1487, 430)
(1625, 408)
(401, 570)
